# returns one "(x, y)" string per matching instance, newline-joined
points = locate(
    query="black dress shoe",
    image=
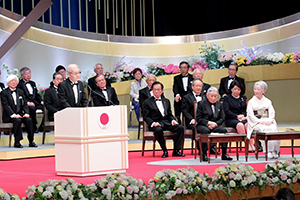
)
(165, 154)
(32, 144)
(18, 145)
(205, 159)
(251, 151)
(176, 153)
(226, 157)
(213, 151)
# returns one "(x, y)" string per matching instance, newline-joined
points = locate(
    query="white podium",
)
(91, 141)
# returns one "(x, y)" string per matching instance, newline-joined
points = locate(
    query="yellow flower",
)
(199, 179)
(234, 169)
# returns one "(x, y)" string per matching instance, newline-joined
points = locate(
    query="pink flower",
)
(140, 184)
(185, 181)
(152, 186)
(135, 196)
(178, 191)
(283, 177)
(214, 176)
(239, 171)
(30, 195)
(288, 162)
(119, 179)
(111, 185)
(294, 180)
(130, 189)
(231, 175)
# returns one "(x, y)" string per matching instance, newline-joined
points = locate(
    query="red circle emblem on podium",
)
(104, 120)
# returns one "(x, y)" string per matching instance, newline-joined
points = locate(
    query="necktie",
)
(74, 84)
(213, 108)
(103, 89)
(198, 95)
(157, 99)
(13, 91)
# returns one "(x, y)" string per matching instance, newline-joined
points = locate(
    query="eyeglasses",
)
(76, 73)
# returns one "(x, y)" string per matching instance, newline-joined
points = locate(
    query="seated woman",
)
(235, 110)
(261, 117)
(135, 86)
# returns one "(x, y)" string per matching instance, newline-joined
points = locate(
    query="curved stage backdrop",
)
(45, 46)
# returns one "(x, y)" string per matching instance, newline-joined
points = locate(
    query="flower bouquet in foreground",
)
(236, 177)
(64, 189)
(119, 186)
(168, 183)
(283, 172)
(6, 195)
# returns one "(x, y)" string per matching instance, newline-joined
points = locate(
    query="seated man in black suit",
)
(98, 69)
(210, 118)
(198, 73)
(32, 96)
(181, 86)
(16, 111)
(104, 95)
(146, 92)
(158, 115)
(225, 82)
(70, 91)
(51, 100)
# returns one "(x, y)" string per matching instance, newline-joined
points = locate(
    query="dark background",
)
(172, 17)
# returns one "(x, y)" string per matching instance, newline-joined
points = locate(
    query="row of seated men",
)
(20, 99)
(70, 93)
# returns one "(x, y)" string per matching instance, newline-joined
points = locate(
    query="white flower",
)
(121, 189)
(244, 182)
(46, 194)
(40, 189)
(50, 189)
(232, 183)
(238, 177)
(63, 194)
(274, 180)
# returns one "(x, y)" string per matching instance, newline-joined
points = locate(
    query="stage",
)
(38, 165)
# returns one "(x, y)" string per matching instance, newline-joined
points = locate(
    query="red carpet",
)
(17, 175)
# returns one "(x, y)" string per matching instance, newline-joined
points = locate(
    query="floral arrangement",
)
(112, 76)
(226, 58)
(53, 189)
(161, 69)
(6, 195)
(285, 171)
(288, 58)
(296, 57)
(118, 186)
(236, 176)
(210, 54)
(167, 183)
(199, 65)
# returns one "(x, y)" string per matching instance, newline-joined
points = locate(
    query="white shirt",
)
(160, 107)
(105, 93)
(30, 89)
(75, 91)
(197, 98)
(185, 82)
(230, 81)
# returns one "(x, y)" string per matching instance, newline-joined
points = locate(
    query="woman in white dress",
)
(135, 86)
(261, 117)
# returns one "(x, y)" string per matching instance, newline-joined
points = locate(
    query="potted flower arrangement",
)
(296, 57)
(169, 183)
(119, 186)
(226, 58)
(53, 189)
(6, 195)
(210, 54)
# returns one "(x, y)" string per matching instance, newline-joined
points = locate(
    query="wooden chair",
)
(140, 123)
(48, 125)
(188, 133)
(5, 126)
(149, 135)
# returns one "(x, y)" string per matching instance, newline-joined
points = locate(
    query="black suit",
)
(233, 107)
(34, 97)
(92, 82)
(204, 115)
(2, 86)
(205, 87)
(21, 108)
(66, 94)
(51, 101)
(99, 98)
(224, 88)
(179, 89)
(152, 114)
(143, 95)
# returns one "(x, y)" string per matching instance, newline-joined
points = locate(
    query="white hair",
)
(71, 67)
(262, 84)
(197, 69)
(212, 89)
(150, 75)
(11, 77)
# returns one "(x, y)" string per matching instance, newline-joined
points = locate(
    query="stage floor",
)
(48, 149)
(17, 175)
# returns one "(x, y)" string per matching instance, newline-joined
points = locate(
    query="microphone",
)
(98, 94)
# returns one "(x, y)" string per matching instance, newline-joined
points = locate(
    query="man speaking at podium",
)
(104, 95)
(70, 91)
